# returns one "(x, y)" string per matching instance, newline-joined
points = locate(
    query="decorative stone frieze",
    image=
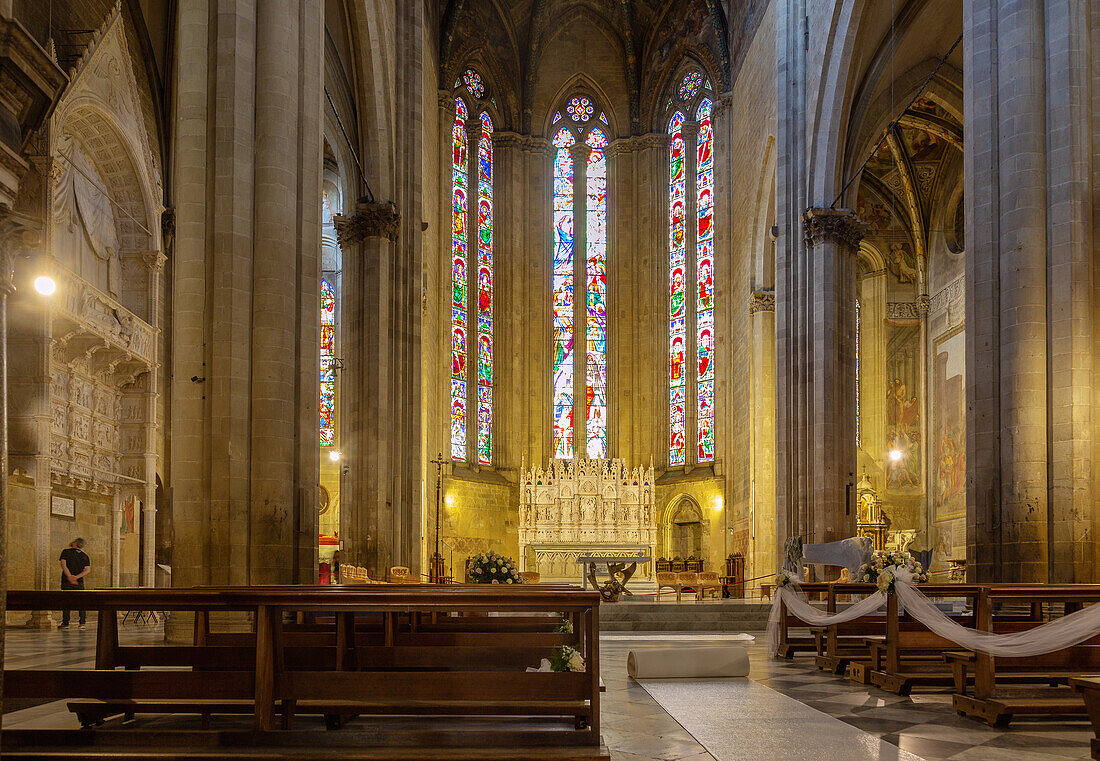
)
(369, 220)
(840, 225)
(902, 310)
(924, 304)
(950, 294)
(762, 300)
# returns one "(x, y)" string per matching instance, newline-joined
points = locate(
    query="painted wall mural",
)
(903, 408)
(949, 425)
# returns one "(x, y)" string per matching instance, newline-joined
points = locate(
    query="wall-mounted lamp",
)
(334, 455)
(895, 455)
(45, 285)
(450, 500)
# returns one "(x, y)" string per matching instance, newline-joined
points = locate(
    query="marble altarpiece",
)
(586, 507)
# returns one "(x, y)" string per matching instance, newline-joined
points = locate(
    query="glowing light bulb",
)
(45, 285)
(334, 455)
(895, 454)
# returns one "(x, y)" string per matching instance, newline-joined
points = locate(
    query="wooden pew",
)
(839, 645)
(1089, 687)
(1037, 685)
(380, 654)
(791, 644)
(907, 654)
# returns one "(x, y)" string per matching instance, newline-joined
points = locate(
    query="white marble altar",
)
(586, 507)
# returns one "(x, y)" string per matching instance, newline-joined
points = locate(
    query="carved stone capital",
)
(526, 143)
(762, 300)
(369, 220)
(580, 152)
(154, 260)
(690, 131)
(833, 225)
(447, 102)
(721, 107)
(638, 143)
(924, 304)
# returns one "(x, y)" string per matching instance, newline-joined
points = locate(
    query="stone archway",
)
(683, 529)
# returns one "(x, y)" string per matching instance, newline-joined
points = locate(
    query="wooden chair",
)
(399, 574)
(530, 577)
(666, 580)
(709, 581)
(688, 580)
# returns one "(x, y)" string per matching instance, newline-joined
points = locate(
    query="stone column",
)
(763, 550)
(522, 245)
(247, 179)
(825, 369)
(7, 287)
(1029, 172)
(116, 538)
(155, 261)
(637, 190)
(372, 394)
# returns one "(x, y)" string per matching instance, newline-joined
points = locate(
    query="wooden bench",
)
(1089, 687)
(1005, 687)
(839, 645)
(791, 644)
(908, 655)
(374, 651)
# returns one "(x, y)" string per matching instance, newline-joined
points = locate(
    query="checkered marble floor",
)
(636, 728)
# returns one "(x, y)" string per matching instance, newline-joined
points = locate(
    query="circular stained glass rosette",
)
(473, 83)
(690, 85)
(580, 109)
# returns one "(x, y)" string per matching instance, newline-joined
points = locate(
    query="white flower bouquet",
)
(491, 568)
(567, 658)
(893, 565)
(782, 579)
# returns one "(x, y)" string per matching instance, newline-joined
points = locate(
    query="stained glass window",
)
(563, 295)
(580, 109)
(677, 303)
(459, 303)
(704, 276)
(596, 274)
(557, 117)
(473, 83)
(603, 117)
(485, 292)
(328, 365)
(689, 86)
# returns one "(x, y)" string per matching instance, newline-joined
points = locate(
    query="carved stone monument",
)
(586, 507)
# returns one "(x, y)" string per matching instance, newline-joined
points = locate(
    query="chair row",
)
(689, 581)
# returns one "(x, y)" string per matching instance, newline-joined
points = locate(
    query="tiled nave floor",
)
(636, 728)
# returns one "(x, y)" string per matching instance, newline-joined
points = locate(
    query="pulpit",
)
(580, 507)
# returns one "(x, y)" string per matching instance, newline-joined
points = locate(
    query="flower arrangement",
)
(782, 579)
(567, 659)
(892, 565)
(566, 625)
(492, 568)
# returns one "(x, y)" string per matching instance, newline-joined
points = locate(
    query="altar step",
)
(684, 617)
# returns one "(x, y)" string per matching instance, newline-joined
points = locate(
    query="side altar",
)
(582, 507)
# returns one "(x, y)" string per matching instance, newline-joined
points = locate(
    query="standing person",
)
(75, 565)
(335, 568)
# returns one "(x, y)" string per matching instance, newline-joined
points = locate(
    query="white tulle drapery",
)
(1057, 635)
(1047, 638)
(799, 606)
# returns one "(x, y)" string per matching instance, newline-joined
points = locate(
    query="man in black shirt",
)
(75, 565)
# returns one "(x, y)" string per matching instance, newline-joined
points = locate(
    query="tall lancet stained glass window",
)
(704, 279)
(579, 383)
(485, 292)
(459, 287)
(328, 364)
(472, 273)
(691, 304)
(563, 294)
(596, 292)
(677, 298)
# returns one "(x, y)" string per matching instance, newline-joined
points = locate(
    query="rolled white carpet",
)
(688, 662)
